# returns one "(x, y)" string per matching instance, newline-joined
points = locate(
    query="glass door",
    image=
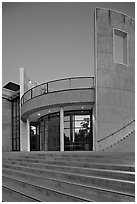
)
(34, 137)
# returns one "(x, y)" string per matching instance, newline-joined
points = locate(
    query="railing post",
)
(69, 83)
(93, 82)
(61, 129)
(47, 88)
(31, 93)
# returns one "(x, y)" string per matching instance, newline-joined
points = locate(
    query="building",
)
(80, 113)
(11, 117)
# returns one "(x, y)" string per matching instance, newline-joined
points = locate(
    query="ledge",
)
(57, 99)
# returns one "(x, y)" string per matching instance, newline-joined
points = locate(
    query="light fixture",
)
(82, 107)
(38, 113)
(49, 111)
(29, 82)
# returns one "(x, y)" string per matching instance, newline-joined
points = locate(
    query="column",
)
(61, 129)
(23, 125)
(25, 136)
(28, 135)
(95, 144)
(23, 133)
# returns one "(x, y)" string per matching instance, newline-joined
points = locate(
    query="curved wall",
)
(57, 99)
(115, 82)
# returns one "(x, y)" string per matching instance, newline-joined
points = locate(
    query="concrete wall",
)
(26, 82)
(57, 99)
(115, 82)
(6, 125)
(128, 144)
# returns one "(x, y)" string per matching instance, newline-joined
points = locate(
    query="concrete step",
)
(69, 176)
(107, 183)
(83, 164)
(43, 194)
(39, 186)
(71, 154)
(90, 160)
(104, 158)
(114, 174)
(10, 195)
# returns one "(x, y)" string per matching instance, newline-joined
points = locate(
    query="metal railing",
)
(116, 136)
(58, 85)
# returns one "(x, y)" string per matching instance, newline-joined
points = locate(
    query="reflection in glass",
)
(67, 124)
(16, 124)
(34, 137)
(50, 132)
(78, 132)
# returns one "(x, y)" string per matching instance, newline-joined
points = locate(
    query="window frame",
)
(125, 62)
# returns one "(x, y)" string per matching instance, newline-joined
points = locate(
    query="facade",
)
(61, 111)
(80, 113)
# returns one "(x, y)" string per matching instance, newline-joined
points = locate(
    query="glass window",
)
(66, 118)
(77, 133)
(14, 144)
(33, 130)
(120, 47)
(18, 143)
(67, 133)
(80, 117)
(67, 124)
(50, 126)
(16, 124)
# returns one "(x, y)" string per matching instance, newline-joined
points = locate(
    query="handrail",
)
(116, 131)
(56, 80)
(50, 83)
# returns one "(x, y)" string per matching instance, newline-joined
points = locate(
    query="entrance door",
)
(78, 131)
(34, 137)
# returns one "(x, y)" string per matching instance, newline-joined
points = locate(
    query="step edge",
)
(67, 173)
(103, 164)
(53, 190)
(74, 167)
(22, 193)
(73, 183)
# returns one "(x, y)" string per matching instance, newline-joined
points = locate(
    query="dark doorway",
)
(34, 137)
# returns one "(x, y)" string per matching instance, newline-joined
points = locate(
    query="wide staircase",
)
(68, 177)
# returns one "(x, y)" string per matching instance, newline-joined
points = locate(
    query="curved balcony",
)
(56, 93)
(58, 85)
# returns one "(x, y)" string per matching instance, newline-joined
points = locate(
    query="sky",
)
(51, 40)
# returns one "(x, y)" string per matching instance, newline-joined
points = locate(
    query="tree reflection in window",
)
(81, 128)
